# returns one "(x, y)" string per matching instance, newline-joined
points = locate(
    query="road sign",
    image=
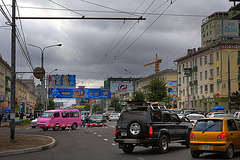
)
(217, 95)
(39, 72)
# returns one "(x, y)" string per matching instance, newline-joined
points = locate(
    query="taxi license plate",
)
(123, 133)
(206, 147)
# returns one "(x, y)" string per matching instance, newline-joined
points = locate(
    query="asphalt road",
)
(98, 144)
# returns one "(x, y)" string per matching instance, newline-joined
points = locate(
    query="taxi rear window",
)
(208, 125)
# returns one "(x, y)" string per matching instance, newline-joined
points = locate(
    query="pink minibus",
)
(60, 118)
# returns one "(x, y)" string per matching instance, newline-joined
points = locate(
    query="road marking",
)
(94, 133)
(139, 158)
(114, 144)
(99, 135)
(105, 139)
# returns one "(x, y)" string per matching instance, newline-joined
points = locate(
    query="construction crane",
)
(156, 64)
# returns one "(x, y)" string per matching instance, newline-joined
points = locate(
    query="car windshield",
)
(208, 125)
(96, 116)
(195, 117)
(47, 114)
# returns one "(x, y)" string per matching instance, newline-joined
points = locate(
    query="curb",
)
(28, 150)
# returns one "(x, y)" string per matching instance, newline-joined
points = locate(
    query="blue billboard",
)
(96, 93)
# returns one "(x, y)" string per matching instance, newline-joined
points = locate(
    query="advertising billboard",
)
(62, 81)
(227, 28)
(172, 85)
(96, 93)
(121, 86)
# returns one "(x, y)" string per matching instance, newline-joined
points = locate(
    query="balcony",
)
(210, 78)
(191, 83)
(210, 63)
(195, 69)
(195, 82)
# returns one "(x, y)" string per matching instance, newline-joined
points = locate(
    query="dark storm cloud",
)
(87, 42)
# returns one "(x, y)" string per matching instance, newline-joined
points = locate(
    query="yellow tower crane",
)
(156, 64)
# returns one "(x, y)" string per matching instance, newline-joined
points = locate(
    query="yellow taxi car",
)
(215, 135)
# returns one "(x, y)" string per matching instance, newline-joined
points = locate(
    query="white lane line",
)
(99, 135)
(94, 133)
(114, 144)
(139, 158)
(106, 140)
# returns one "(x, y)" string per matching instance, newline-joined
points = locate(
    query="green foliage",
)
(51, 104)
(97, 107)
(235, 99)
(157, 90)
(20, 123)
(115, 103)
(139, 96)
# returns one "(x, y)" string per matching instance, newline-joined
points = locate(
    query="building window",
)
(217, 70)
(205, 59)
(211, 73)
(211, 58)
(195, 62)
(179, 68)
(210, 32)
(218, 87)
(201, 89)
(192, 91)
(183, 92)
(183, 80)
(196, 90)
(211, 88)
(205, 88)
(200, 61)
(183, 67)
(186, 65)
(200, 76)
(217, 56)
(205, 74)
(191, 64)
(179, 80)
(195, 76)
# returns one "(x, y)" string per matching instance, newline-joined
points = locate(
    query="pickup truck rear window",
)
(208, 125)
(128, 116)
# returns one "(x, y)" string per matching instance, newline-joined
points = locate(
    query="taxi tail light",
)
(150, 131)
(222, 135)
(115, 131)
(192, 135)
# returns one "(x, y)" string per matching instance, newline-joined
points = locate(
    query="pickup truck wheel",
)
(136, 129)
(163, 144)
(195, 154)
(74, 126)
(128, 148)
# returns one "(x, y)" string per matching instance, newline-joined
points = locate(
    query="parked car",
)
(114, 116)
(194, 117)
(146, 126)
(213, 114)
(186, 112)
(33, 123)
(223, 115)
(61, 118)
(215, 135)
(237, 114)
(98, 120)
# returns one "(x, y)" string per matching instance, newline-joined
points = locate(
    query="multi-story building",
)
(170, 77)
(5, 91)
(208, 78)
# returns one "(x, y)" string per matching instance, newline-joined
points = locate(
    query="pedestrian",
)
(86, 121)
(0, 119)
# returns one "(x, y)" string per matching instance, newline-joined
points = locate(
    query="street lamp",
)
(229, 81)
(42, 80)
(133, 81)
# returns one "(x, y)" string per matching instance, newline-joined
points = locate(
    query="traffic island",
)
(24, 144)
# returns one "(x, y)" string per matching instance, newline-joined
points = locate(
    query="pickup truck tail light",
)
(115, 131)
(222, 135)
(150, 131)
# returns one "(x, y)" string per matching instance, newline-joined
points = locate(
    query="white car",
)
(114, 116)
(33, 123)
(194, 117)
(213, 114)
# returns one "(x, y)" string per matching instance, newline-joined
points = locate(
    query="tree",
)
(235, 99)
(97, 107)
(115, 104)
(157, 90)
(139, 96)
(51, 104)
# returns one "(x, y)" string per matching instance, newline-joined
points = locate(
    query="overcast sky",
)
(95, 50)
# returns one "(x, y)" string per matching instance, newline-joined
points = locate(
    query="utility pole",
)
(13, 74)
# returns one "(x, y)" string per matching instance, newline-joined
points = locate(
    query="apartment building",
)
(208, 78)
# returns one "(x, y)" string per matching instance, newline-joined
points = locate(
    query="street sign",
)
(39, 72)
(217, 95)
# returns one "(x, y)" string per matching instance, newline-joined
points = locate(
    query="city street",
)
(98, 144)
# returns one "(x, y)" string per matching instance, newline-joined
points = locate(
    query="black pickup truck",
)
(150, 126)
